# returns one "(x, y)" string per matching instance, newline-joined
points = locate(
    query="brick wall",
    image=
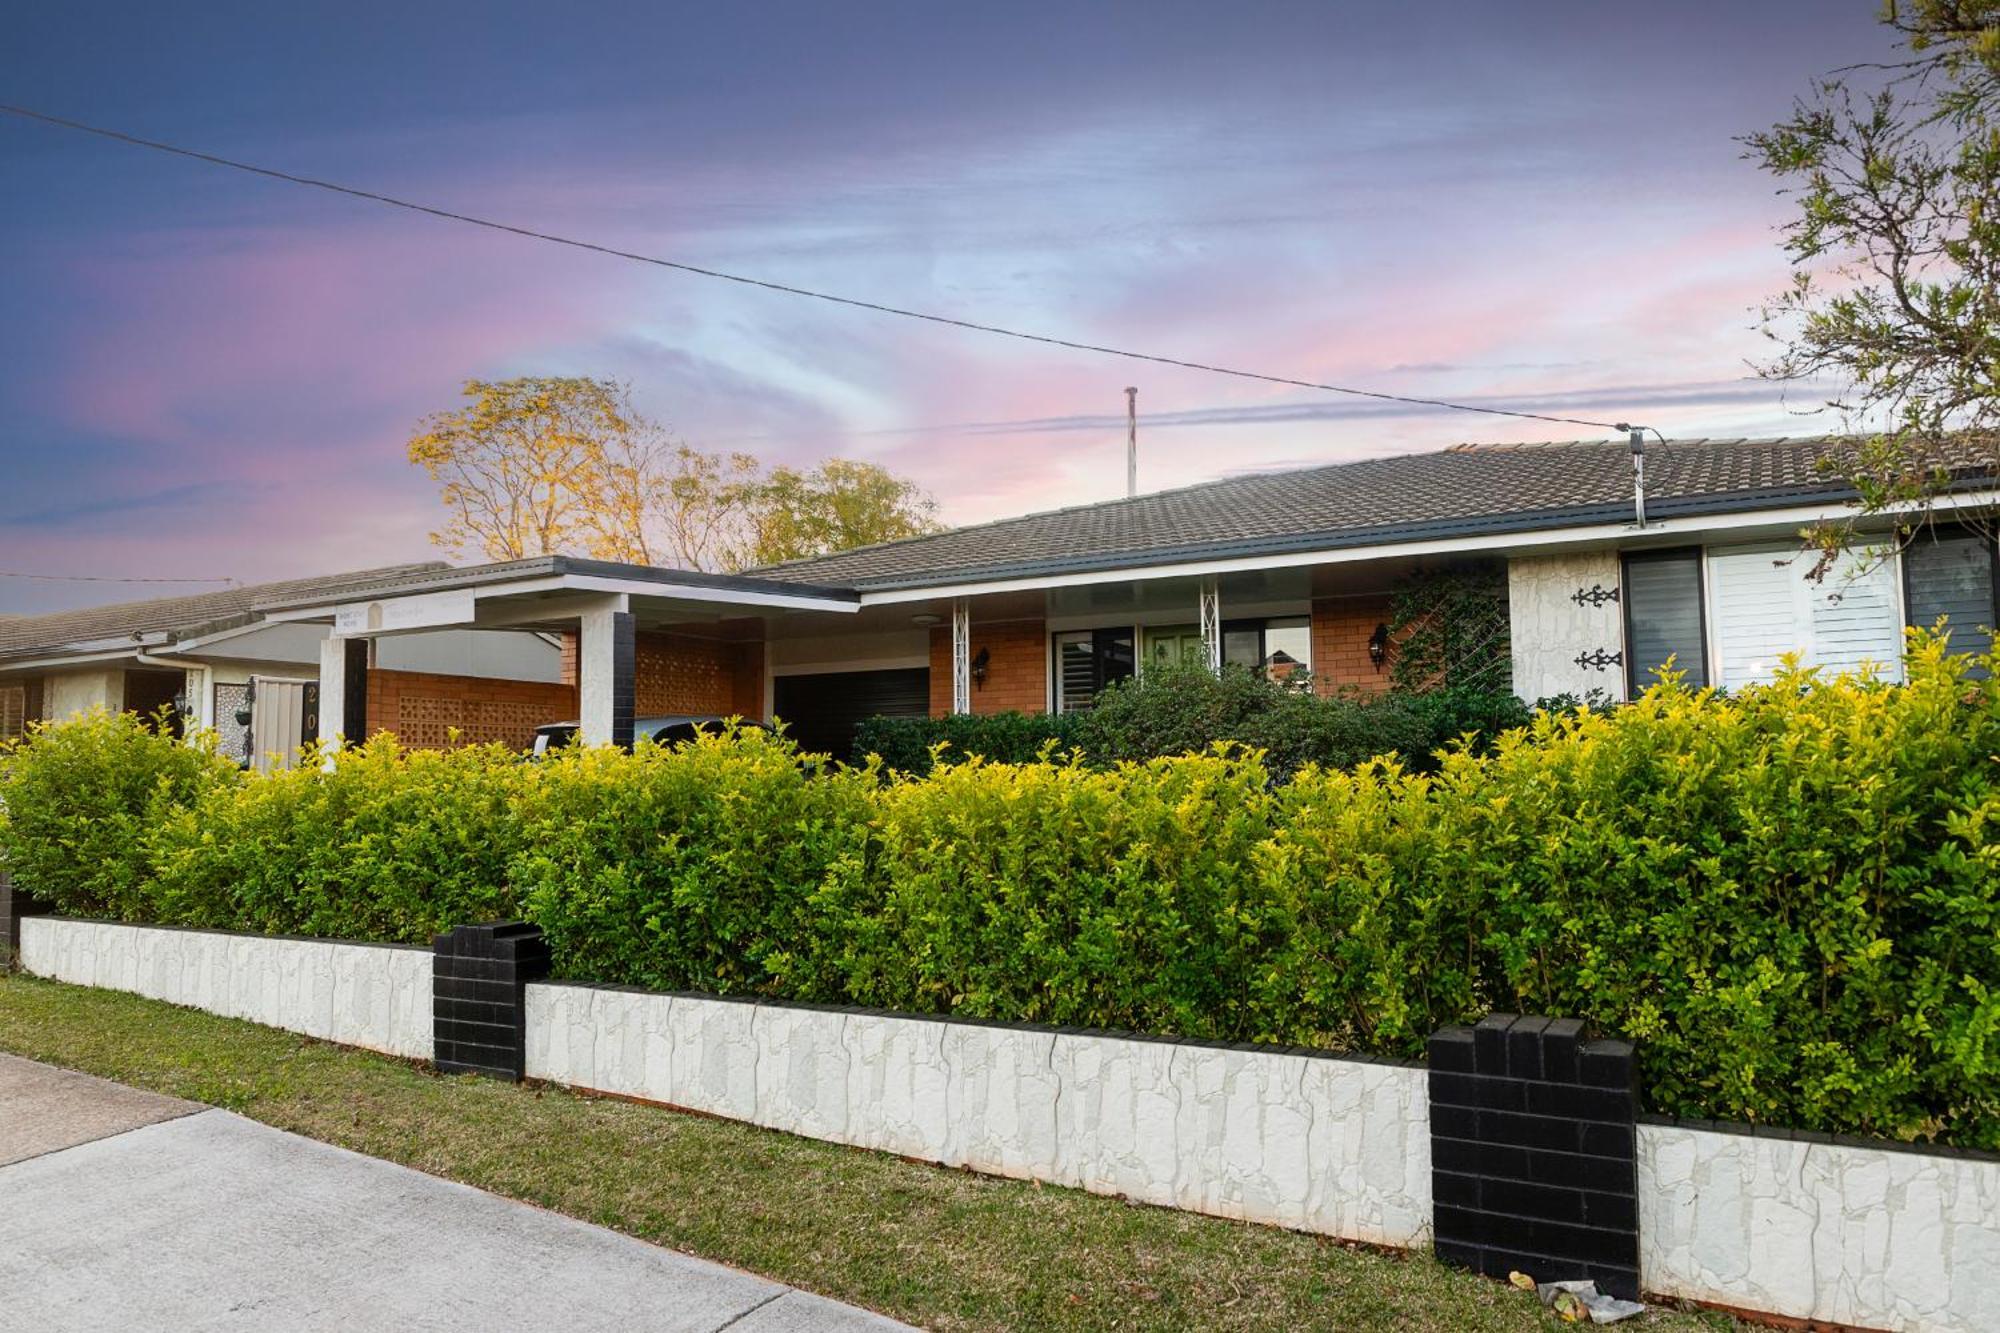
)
(572, 646)
(1016, 669)
(677, 673)
(423, 708)
(1341, 627)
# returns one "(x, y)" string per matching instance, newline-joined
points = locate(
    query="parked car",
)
(665, 730)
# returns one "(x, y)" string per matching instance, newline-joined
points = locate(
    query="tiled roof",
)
(24, 636)
(1461, 491)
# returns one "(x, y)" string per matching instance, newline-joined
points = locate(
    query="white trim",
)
(219, 636)
(82, 659)
(1675, 531)
(500, 591)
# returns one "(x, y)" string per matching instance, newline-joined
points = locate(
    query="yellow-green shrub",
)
(78, 800)
(1791, 896)
(1051, 893)
(392, 844)
(709, 866)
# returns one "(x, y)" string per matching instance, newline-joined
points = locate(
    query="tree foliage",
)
(554, 465)
(836, 506)
(1895, 170)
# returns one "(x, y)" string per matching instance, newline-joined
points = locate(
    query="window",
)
(1763, 606)
(1087, 661)
(13, 711)
(1173, 643)
(1090, 659)
(1662, 597)
(1274, 648)
(1950, 574)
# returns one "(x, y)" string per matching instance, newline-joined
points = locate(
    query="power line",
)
(786, 288)
(104, 578)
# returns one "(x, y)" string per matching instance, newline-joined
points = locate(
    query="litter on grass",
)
(1578, 1302)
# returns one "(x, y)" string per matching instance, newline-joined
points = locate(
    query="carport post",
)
(1211, 625)
(606, 662)
(961, 655)
(343, 693)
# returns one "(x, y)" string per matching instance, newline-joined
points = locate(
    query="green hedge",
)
(1791, 897)
(1182, 708)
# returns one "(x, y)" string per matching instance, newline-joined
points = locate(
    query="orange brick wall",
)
(571, 647)
(1341, 627)
(1016, 668)
(676, 673)
(424, 709)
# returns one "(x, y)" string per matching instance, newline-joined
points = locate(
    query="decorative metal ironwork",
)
(1211, 626)
(961, 656)
(1595, 595)
(1599, 660)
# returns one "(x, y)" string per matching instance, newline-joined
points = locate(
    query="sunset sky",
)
(210, 374)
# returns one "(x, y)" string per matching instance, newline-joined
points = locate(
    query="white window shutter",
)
(1762, 606)
(1753, 613)
(1857, 614)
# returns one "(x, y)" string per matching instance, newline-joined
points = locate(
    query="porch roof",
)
(1462, 492)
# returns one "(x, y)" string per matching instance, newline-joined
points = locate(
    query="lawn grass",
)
(941, 1248)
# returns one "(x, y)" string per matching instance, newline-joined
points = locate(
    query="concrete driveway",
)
(121, 1210)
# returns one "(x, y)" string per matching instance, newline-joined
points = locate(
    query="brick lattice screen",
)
(424, 709)
(676, 673)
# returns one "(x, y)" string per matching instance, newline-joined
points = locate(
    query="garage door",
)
(822, 711)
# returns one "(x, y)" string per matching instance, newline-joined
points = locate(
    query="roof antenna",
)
(1131, 442)
(1638, 434)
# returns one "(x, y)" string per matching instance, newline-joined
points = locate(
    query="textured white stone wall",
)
(357, 994)
(1549, 629)
(1340, 1147)
(1847, 1235)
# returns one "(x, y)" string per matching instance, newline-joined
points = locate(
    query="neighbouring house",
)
(1282, 571)
(203, 658)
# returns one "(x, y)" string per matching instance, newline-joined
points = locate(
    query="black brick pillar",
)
(479, 985)
(624, 677)
(354, 691)
(14, 904)
(1532, 1151)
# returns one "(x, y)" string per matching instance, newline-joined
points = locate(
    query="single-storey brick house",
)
(1606, 581)
(1608, 577)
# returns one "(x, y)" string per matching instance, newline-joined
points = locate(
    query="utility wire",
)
(134, 140)
(103, 578)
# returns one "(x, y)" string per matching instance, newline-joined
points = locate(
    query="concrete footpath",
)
(123, 1210)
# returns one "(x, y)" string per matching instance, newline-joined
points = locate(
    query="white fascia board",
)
(89, 651)
(495, 594)
(223, 636)
(1690, 529)
(688, 592)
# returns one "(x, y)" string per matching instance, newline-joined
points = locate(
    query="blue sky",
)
(209, 374)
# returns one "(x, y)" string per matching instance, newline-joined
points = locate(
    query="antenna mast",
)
(1131, 442)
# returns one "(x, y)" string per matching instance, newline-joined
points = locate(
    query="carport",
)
(637, 640)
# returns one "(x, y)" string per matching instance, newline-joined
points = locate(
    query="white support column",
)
(961, 656)
(333, 719)
(604, 674)
(1211, 625)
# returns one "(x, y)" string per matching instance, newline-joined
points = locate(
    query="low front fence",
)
(372, 995)
(1518, 1145)
(1296, 1139)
